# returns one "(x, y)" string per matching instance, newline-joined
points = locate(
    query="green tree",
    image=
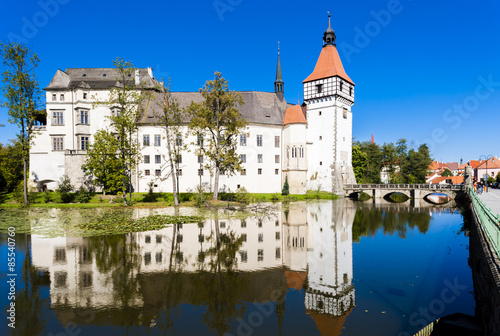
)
(359, 163)
(446, 172)
(286, 187)
(11, 166)
(102, 162)
(22, 93)
(218, 118)
(171, 121)
(125, 100)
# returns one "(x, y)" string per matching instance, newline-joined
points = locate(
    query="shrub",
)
(65, 188)
(286, 188)
(242, 196)
(47, 196)
(199, 197)
(275, 197)
(83, 195)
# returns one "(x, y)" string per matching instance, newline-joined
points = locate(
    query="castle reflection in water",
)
(228, 260)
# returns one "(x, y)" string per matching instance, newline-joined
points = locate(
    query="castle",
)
(310, 144)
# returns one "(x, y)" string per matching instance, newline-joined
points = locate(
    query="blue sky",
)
(424, 70)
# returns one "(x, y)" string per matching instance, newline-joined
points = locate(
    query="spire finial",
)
(278, 48)
(329, 35)
(278, 83)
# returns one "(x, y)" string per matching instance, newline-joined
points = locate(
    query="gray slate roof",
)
(259, 107)
(96, 79)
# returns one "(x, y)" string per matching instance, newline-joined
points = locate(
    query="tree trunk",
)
(172, 169)
(25, 182)
(216, 183)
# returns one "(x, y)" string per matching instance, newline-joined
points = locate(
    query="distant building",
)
(311, 143)
(490, 167)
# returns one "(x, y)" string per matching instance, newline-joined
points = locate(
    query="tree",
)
(359, 162)
(22, 93)
(11, 166)
(102, 162)
(218, 118)
(286, 188)
(171, 119)
(446, 172)
(125, 100)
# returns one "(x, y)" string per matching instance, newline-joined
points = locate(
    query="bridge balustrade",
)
(405, 186)
(489, 221)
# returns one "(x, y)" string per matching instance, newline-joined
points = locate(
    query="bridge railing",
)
(489, 221)
(405, 186)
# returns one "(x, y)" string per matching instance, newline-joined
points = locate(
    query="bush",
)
(275, 197)
(47, 196)
(199, 197)
(286, 188)
(185, 197)
(83, 196)
(65, 188)
(242, 196)
(229, 197)
(19, 194)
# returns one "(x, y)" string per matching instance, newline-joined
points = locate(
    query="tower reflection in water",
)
(220, 267)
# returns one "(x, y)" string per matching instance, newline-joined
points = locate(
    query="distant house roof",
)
(259, 107)
(447, 179)
(98, 79)
(328, 65)
(492, 163)
(474, 163)
(294, 115)
(452, 165)
(436, 165)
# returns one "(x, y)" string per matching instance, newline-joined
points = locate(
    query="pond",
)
(308, 268)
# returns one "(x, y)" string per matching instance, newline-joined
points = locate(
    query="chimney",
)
(137, 77)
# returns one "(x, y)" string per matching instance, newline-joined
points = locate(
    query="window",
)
(260, 255)
(320, 137)
(200, 158)
(147, 172)
(85, 95)
(180, 238)
(84, 142)
(243, 172)
(146, 158)
(350, 91)
(278, 236)
(277, 223)
(244, 237)
(321, 163)
(60, 279)
(158, 257)
(145, 139)
(294, 152)
(341, 85)
(179, 159)
(277, 158)
(259, 140)
(157, 140)
(259, 223)
(58, 144)
(54, 97)
(157, 158)
(62, 97)
(243, 223)
(60, 255)
(222, 224)
(345, 113)
(157, 172)
(84, 117)
(244, 256)
(259, 158)
(86, 279)
(158, 239)
(319, 113)
(278, 253)
(277, 141)
(201, 238)
(301, 152)
(259, 171)
(200, 172)
(57, 118)
(147, 258)
(147, 239)
(261, 237)
(319, 88)
(243, 140)
(243, 158)
(179, 172)
(178, 140)
(276, 172)
(200, 141)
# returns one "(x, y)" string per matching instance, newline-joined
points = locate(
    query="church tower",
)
(329, 95)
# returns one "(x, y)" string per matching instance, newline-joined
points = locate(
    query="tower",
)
(329, 95)
(278, 83)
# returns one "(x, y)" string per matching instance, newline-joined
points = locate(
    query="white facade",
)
(313, 151)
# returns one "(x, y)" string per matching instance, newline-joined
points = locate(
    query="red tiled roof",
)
(294, 115)
(492, 163)
(328, 65)
(474, 163)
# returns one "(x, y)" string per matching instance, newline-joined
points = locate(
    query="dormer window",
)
(54, 97)
(319, 88)
(62, 97)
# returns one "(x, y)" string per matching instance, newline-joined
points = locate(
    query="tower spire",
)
(329, 34)
(278, 83)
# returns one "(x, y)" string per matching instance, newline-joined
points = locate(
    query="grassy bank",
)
(55, 199)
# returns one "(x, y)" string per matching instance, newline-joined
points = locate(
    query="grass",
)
(40, 199)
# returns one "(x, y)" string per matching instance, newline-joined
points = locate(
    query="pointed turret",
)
(278, 83)
(329, 34)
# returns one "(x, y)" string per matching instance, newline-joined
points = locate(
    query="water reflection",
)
(225, 269)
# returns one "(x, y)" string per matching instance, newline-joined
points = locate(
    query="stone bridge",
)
(415, 191)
